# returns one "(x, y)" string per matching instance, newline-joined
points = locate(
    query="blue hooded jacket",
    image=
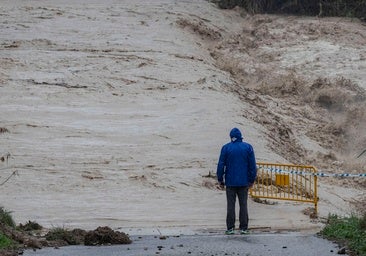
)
(237, 163)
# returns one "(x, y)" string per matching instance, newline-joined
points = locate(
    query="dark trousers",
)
(242, 193)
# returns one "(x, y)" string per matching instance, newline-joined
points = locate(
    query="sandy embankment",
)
(115, 111)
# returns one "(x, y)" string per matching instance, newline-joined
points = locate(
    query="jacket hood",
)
(235, 135)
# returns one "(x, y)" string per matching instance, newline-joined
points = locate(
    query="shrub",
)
(6, 218)
(348, 8)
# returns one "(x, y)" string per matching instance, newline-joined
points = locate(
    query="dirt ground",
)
(112, 113)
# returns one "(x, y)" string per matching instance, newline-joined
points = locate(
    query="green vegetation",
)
(348, 231)
(5, 242)
(6, 218)
(346, 8)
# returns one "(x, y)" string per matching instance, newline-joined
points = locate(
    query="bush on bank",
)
(347, 231)
(7, 220)
(342, 8)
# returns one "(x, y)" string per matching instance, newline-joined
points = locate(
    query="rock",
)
(342, 250)
(32, 243)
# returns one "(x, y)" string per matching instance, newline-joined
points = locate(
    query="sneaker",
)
(244, 232)
(230, 232)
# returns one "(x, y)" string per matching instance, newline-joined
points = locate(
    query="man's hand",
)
(221, 185)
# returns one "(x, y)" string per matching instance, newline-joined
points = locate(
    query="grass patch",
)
(347, 231)
(6, 218)
(5, 242)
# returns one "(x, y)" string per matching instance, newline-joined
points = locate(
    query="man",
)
(237, 171)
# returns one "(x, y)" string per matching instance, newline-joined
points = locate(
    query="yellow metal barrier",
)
(286, 182)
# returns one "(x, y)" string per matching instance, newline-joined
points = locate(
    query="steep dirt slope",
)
(304, 79)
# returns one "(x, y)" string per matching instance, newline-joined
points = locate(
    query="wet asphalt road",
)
(206, 245)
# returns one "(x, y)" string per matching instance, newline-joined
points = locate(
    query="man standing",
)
(237, 171)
